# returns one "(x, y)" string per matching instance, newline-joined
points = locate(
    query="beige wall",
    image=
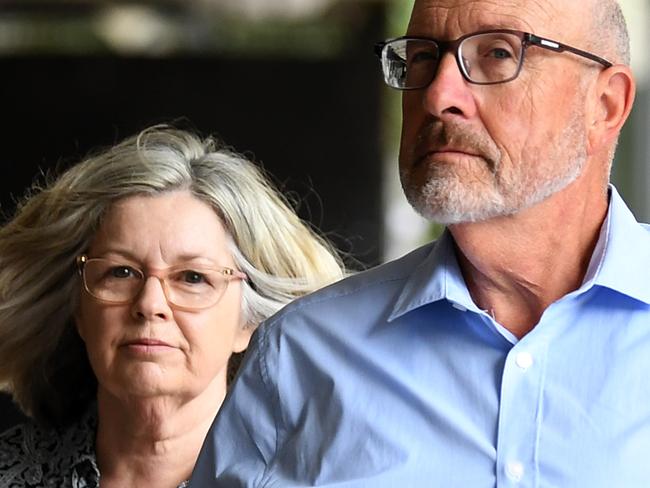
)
(637, 13)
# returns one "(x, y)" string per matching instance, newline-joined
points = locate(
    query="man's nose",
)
(449, 94)
(151, 302)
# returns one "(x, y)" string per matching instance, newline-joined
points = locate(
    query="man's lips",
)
(445, 151)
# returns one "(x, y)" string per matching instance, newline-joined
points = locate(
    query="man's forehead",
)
(457, 17)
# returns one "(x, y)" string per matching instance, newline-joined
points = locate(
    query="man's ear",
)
(611, 105)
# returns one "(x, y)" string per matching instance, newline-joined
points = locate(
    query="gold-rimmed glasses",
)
(186, 286)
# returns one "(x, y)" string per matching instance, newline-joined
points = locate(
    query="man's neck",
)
(516, 266)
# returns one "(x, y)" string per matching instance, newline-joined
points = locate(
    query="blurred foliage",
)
(324, 38)
(398, 13)
(154, 30)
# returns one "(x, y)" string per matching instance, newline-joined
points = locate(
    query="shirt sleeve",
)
(243, 436)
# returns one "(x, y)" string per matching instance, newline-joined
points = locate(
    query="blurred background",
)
(292, 84)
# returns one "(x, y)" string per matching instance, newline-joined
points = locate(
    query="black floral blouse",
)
(32, 456)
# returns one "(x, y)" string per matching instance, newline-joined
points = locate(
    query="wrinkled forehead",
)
(449, 19)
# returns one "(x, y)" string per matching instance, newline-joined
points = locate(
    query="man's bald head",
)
(599, 24)
(609, 36)
(471, 154)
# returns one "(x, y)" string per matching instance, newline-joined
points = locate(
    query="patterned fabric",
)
(32, 456)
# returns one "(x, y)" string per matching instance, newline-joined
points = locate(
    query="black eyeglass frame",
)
(527, 40)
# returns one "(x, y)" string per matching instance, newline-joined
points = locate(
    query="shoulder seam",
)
(301, 304)
(264, 345)
(266, 381)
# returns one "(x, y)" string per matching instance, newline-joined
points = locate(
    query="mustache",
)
(437, 134)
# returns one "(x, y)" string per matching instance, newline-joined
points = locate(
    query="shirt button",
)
(515, 470)
(524, 360)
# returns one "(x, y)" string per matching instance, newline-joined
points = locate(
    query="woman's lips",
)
(148, 346)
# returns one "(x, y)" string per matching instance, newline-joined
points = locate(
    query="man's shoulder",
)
(375, 287)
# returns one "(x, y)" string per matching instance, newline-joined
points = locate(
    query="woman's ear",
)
(76, 318)
(611, 105)
(242, 338)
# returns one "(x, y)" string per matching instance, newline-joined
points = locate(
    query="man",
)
(515, 350)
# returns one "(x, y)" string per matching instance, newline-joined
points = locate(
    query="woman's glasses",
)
(186, 286)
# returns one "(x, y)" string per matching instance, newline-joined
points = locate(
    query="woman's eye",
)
(121, 272)
(193, 277)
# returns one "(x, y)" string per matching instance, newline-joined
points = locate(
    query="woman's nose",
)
(152, 302)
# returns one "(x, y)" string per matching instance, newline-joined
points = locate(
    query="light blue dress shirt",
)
(394, 378)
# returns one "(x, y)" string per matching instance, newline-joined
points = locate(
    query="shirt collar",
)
(83, 463)
(625, 259)
(620, 262)
(437, 277)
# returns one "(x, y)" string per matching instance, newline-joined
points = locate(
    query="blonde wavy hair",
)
(43, 361)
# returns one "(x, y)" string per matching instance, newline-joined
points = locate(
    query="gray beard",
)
(448, 198)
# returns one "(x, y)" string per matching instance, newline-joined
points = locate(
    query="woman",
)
(126, 287)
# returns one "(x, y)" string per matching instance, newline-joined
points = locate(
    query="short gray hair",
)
(42, 360)
(609, 36)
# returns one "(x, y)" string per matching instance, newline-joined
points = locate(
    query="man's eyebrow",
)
(514, 25)
(502, 21)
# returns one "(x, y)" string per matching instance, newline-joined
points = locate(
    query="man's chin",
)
(450, 202)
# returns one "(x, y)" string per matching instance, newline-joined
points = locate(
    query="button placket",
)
(520, 405)
(524, 360)
(515, 471)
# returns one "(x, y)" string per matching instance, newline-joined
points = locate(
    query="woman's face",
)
(149, 348)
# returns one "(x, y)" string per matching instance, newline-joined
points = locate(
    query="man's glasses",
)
(484, 58)
(186, 287)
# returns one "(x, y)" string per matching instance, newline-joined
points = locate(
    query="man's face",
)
(473, 152)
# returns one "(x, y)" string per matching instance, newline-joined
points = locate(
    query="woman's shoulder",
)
(19, 455)
(32, 455)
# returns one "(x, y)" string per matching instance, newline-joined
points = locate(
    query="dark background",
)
(313, 124)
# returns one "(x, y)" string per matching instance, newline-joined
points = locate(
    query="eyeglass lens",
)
(484, 58)
(191, 287)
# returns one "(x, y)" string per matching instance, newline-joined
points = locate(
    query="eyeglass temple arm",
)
(559, 47)
(80, 262)
(234, 273)
(378, 48)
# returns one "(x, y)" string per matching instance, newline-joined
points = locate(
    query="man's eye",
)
(500, 53)
(422, 57)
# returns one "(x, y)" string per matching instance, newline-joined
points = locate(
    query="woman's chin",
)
(145, 379)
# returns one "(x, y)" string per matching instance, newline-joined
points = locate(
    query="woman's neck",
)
(154, 441)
